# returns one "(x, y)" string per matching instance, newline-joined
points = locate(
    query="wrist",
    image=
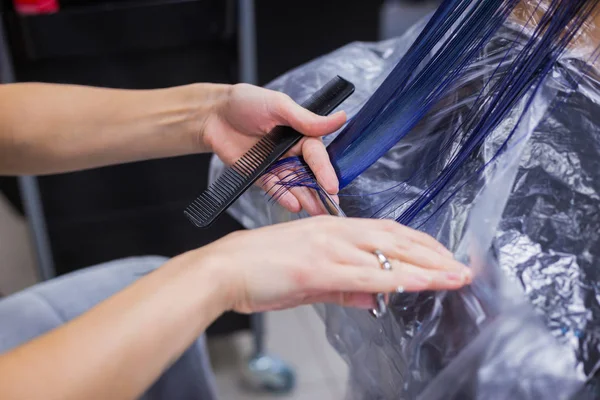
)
(204, 99)
(211, 269)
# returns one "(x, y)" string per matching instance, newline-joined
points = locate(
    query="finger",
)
(440, 280)
(402, 277)
(426, 258)
(455, 271)
(315, 155)
(292, 199)
(422, 239)
(287, 112)
(349, 256)
(344, 299)
(402, 234)
(409, 251)
(308, 200)
(269, 183)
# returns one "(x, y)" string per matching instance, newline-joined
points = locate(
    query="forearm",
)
(120, 347)
(47, 128)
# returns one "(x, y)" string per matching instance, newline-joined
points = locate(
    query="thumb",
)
(290, 113)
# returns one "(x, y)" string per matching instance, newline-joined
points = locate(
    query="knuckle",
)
(301, 277)
(310, 124)
(311, 149)
(363, 279)
(276, 103)
(286, 98)
(399, 266)
(240, 87)
(320, 240)
(235, 235)
(401, 247)
(325, 222)
(389, 225)
(282, 100)
(432, 240)
(422, 236)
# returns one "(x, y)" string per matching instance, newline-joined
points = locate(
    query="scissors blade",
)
(331, 206)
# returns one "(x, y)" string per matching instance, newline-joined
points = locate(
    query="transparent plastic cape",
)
(529, 225)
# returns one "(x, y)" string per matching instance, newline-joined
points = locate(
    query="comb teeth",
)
(255, 156)
(208, 203)
(245, 171)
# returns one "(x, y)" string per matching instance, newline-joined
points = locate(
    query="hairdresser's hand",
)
(328, 259)
(246, 113)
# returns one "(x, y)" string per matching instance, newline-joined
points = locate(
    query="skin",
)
(117, 349)
(48, 130)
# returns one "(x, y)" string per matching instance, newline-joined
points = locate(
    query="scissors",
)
(333, 208)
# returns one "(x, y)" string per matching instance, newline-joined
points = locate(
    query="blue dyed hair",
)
(444, 52)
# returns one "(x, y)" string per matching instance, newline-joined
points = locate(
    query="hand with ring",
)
(330, 260)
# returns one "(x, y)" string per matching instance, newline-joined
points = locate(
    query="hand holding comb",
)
(251, 166)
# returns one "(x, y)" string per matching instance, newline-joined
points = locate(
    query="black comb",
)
(243, 173)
